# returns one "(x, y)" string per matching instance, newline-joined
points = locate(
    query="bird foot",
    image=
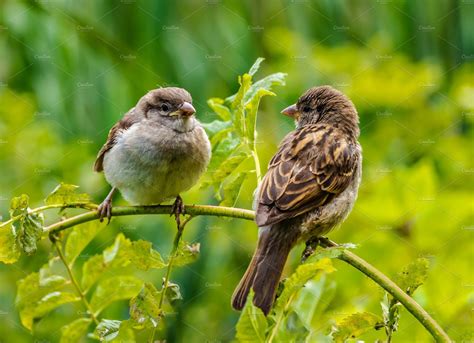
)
(311, 245)
(105, 210)
(177, 209)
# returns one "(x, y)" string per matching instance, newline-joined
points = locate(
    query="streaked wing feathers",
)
(312, 165)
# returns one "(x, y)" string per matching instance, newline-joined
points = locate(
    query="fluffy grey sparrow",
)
(309, 188)
(157, 151)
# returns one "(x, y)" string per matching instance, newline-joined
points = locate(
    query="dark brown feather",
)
(313, 164)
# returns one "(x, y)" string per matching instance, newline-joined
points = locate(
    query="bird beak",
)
(187, 109)
(291, 111)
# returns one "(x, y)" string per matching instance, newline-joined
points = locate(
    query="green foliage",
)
(106, 277)
(74, 331)
(355, 325)
(413, 275)
(252, 324)
(37, 295)
(145, 306)
(186, 253)
(27, 226)
(233, 135)
(65, 194)
(409, 279)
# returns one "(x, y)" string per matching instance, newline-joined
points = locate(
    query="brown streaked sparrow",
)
(310, 187)
(156, 151)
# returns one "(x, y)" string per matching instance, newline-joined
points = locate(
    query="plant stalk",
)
(74, 282)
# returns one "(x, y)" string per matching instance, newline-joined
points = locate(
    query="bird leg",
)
(311, 245)
(105, 208)
(177, 209)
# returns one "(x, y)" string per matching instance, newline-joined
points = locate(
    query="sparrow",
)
(309, 189)
(156, 151)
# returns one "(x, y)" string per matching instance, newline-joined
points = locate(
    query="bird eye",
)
(165, 107)
(306, 109)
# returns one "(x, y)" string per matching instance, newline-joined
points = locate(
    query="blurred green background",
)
(70, 69)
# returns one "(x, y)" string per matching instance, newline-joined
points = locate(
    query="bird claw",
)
(177, 209)
(105, 210)
(311, 245)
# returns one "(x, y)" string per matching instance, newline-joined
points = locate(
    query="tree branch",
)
(197, 210)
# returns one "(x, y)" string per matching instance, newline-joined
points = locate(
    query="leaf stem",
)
(177, 238)
(257, 164)
(196, 210)
(74, 281)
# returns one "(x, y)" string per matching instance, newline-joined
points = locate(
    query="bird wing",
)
(125, 123)
(312, 165)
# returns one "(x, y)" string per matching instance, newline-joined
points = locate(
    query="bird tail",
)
(265, 269)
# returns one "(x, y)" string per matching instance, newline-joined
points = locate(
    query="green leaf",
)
(238, 104)
(92, 270)
(119, 255)
(65, 194)
(313, 299)
(115, 331)
(413, 275)
(252, 323)
(215, 127)
(299, 278)
(73, 332)
(144, 257)
(251, 113)
(28, 228)
(79, 238)
(254, 68)
(291, 329)
(228, 166)
(113, 289)
(267, 83)
(144, 307)
(216, 104)
(108, 329)
(35, 300)
(186, 253)
(9, 252)
(19, 205)
(231, 189)
(355, 325)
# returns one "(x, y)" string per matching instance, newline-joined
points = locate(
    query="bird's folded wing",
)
(312, 165)
(127, 121)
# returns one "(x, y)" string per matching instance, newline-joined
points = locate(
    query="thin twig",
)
(74, 281)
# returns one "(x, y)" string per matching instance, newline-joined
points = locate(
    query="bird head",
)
(324, 104)
(169, 106)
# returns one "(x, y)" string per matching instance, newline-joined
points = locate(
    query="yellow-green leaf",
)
(65, 194)
(113, 289)
(252, 323)
(186, 253)
(144, 308)
(144, 257)
(79, 238)
(355, 325)
(74, 331)
(216, 104)
(413, 275)
(9, 252)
